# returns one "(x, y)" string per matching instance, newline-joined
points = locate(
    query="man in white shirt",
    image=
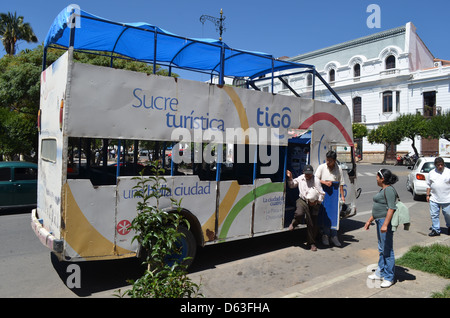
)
(438, 195)
(310, 197)
(327, 173)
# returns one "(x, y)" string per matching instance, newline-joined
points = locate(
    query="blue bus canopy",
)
(151, 44)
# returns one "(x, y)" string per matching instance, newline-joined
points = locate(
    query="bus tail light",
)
(39, 120)
(61, 113)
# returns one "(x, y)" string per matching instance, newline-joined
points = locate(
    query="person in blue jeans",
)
(438, 195)
(384, 206)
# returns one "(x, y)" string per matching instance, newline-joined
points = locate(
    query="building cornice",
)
(350, 44)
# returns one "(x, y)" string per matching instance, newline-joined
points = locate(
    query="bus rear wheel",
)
(188, 250)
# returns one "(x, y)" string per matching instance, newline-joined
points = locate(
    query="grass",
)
(434, 259)
(445, 293)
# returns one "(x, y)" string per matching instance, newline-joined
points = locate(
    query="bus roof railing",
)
(150, 44)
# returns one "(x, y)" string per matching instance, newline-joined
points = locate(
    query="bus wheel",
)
(188, 248)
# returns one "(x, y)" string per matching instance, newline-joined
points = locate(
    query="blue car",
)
(18, 184)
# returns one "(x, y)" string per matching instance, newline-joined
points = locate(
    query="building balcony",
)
(393, 71)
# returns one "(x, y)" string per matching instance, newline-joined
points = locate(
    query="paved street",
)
(267, 266)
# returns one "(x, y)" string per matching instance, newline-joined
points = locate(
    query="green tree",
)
(17, 134)
(359, 130)
(13, 29)
(410, 126)
(386, 134)
(439, 126)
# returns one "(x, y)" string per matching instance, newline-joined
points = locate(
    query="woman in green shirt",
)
(384, 206)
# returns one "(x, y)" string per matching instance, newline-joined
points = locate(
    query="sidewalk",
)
(352, 282)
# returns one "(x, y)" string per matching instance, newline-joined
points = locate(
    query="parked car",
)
(18, 184)
(417, 178)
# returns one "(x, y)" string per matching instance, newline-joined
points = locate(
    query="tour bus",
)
(225, 148)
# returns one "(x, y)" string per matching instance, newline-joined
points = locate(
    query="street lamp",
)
(217, 21)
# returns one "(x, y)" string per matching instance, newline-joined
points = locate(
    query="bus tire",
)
(188, 245)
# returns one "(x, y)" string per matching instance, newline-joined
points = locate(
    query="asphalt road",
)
(247, 268)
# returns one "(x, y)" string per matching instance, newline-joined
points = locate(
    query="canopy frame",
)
(258, 65)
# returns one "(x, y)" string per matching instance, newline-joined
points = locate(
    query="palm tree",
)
(13, 29)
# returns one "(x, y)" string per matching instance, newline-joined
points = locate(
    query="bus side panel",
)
(235, 210)
(269, 206)
(127, 208)
(90, 222)
(50, 163)
(199, 198)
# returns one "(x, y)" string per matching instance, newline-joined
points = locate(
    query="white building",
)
(379, 77)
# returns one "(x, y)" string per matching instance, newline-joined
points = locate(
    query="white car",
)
(417, 178)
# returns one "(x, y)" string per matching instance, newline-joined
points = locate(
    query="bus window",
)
(96, 159)
(274, 168)
(239, 163)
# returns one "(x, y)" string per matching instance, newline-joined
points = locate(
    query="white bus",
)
(225, 149)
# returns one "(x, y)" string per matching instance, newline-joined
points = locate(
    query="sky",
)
(280, 28)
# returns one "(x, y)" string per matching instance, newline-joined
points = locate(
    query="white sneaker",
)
(374, 276)
(386, 284)
(325, 240)
(335, 241)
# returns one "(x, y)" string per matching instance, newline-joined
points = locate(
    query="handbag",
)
(401, 214)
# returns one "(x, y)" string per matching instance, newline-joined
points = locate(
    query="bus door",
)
(297, 158)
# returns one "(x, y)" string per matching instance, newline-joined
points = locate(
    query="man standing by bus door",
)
(311, 196)
(327, 173)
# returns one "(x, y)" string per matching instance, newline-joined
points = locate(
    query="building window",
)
(429, 104)
(387, 102)
(332, 75)
(309, 80)
(357, 70)
(390, 62)
(357, 109)
(397, 101)
(284, 85)
(239, 82)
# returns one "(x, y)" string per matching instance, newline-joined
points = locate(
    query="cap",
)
(308, 169)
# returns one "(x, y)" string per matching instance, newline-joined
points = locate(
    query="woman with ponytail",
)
(384, 206)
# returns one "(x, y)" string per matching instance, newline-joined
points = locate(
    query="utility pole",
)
(218, 22)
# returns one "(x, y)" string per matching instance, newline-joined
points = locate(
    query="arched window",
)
(390, 62)
(332, 75)
(357, 70)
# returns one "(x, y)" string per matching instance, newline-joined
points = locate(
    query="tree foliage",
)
(386, 134)
(439, 126)
(13, 29)
(410, 126)
(359, 130)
